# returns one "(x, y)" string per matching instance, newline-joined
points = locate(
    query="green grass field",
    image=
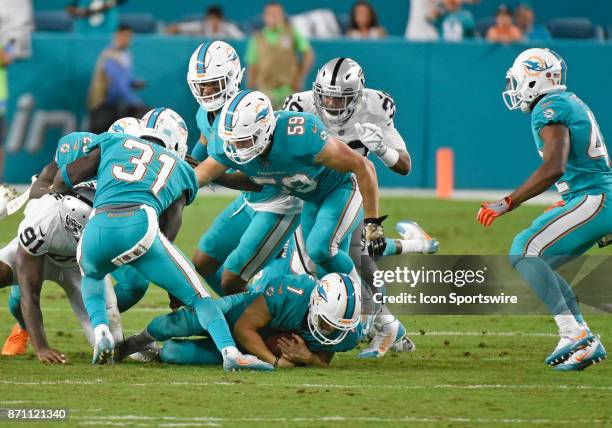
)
(467, 370)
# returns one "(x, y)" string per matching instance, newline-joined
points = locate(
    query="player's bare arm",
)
(340, 157)
(43, 183)
(296, 351)
(238, 181)
(170, 221)
(78, 171)
(30, 278)
(208, 171)
(246, 332)
(556, 140)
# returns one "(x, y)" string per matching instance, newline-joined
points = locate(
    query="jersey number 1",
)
(141, 165)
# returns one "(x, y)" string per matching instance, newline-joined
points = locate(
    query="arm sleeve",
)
(199, 151)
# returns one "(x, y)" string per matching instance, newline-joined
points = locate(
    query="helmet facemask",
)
(324, 330)
(211, 94)
(334, 105)
(245, 149)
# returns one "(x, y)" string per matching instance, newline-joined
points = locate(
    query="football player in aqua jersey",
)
(292, 152)
(130, 286)
(323, 315)
(143, 186)
(254, 227)
(575, 159)
(349, 109)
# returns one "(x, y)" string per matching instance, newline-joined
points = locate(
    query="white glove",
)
(371, 136)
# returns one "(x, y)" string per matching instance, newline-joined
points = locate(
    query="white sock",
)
(411, 246)
(567, 322)
(229, 351)
(101, 330)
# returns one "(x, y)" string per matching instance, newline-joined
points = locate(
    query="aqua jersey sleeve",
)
(199, 151)
(72, 147)
(552, 109)
(314, 134)
(215, 151)
(102, 139)
(287, 298)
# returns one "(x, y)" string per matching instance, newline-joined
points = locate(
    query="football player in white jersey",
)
(46, 249)
(363, 119)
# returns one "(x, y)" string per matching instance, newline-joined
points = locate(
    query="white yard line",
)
(320, 385)
(174, 421)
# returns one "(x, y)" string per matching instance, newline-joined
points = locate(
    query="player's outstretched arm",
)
(556, 151)
(43, 183)
(246, 332)
(340, 157)
(76, 172)
(238, 181)
(387, 144)
(171, 220)
(208, 171)
(30, 278)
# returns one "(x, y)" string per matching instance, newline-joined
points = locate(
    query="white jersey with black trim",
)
(376, 107)
(42, 232)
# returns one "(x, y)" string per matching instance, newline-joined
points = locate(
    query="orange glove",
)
(557, 204)
(489, 211)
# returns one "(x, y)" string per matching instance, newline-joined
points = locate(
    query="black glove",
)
(374, 236)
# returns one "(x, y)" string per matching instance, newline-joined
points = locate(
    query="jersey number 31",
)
(141, 164)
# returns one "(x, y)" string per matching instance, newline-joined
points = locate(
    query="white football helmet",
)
(167, 126)
(214, 74)
(246, 126)
(126, 125)
(75, 208)
(338, 90)
(334, 309)
(535, 72)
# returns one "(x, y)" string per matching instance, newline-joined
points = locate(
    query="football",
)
(271, 342)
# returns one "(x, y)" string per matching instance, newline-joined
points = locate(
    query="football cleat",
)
(583, 358)
(568, 345)
(409, 230)
(404, 344)
(387, 334)
(17, 342)
(148, 354)
(240, 361)
(104, 347)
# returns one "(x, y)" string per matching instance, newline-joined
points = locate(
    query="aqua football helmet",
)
(535, 72)
(338, 90)
(334, 309)
(167, 126)
(246, 126)
(214, 74)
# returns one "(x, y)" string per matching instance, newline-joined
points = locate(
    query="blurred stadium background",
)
(448, 94)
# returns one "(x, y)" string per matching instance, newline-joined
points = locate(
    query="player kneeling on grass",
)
(45, 249)
(576, 160)
(143, 186)
(322, 315)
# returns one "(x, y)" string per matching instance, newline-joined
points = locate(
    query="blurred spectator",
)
(504, 30)
(16, 26)
(94, 16)
(452, 21)
(525, 20)
(5, 60)
(112, 91)
(364, 22)
(278, 56)
(212, 26)
(419, 27)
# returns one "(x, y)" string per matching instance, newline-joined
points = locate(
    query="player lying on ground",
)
(292, 152)
(45, 249)
(143, 186)
(362, 119)
(322, 315)
(247, 234)
(575, 159)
